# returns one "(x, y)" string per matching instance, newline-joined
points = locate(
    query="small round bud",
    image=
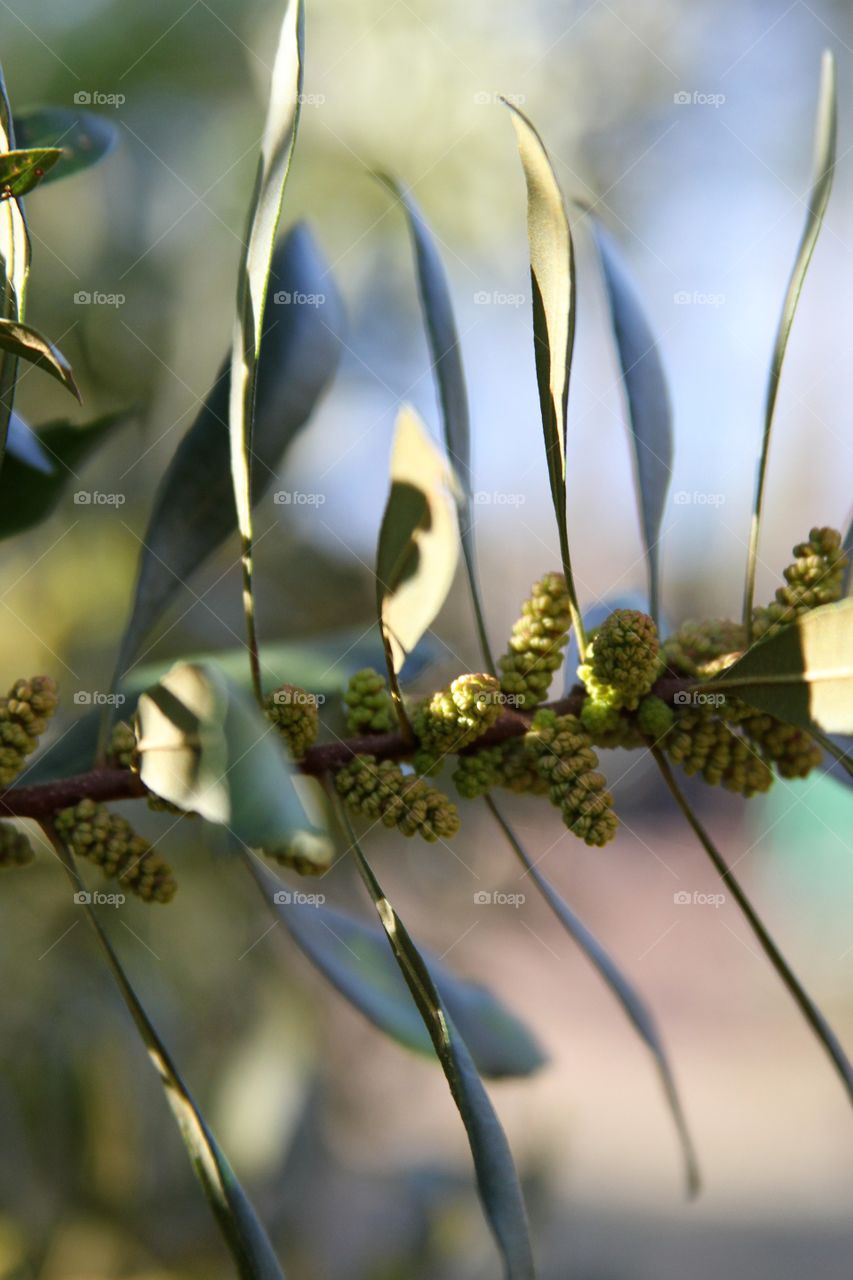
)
(369, 705)
(15, 847)
(623, 661)
(295, 714)
(654, 717)
(453, 718)
(122, 748)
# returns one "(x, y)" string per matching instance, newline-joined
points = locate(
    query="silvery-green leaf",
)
(824, 168)
(204, 746)
(418, 541)
(82, 137)
(647, 397)
(24, 343)
(194, 509)
(803, 674)
(245, 1237)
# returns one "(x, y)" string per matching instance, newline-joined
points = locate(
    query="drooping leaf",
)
(418, 542)
(497, 1180)
(194, 509)
(354, 957)
(22, 444)
(552, 280)
(449, 375)
(28, 492)
(22, 170)
(82, 137)
(803, 674)
(19, 340)
(277, 145)
(205, 747)
(810, 1011)
(322, 664)
(638, 1013)
(824, 168)
(14, 269)
(647, 397)
(245, 1237)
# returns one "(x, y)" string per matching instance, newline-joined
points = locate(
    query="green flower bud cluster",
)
(566, 761)
(791, 751)
(380, 789)
(701, 649)
(622, 663)
(655, 717)
(108, 840)
(701, 742)
(816, 577)
(122, 748)
(369, 705)
(537, 643)
(296, 715)
(455, 717)
(510, 765)
(15, 847)
(24, 714)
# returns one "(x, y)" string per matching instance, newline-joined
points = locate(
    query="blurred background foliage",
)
(314, 1108)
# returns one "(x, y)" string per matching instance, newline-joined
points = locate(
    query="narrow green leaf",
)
(277, 145)
(24, 343)
(194, 509)
(206, 748)
(804, 674)
(824, 168)
(638, 1013)
(22, 170)
(355, 959)
(418, 542)
(812, 1014)
(497, 1180)
(649, 411)
(29, 492)
(449, 374)
(245, 1237)
(82, 137)
(552, 279)
(14, 270)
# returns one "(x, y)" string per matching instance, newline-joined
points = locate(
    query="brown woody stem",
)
(326, 757)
